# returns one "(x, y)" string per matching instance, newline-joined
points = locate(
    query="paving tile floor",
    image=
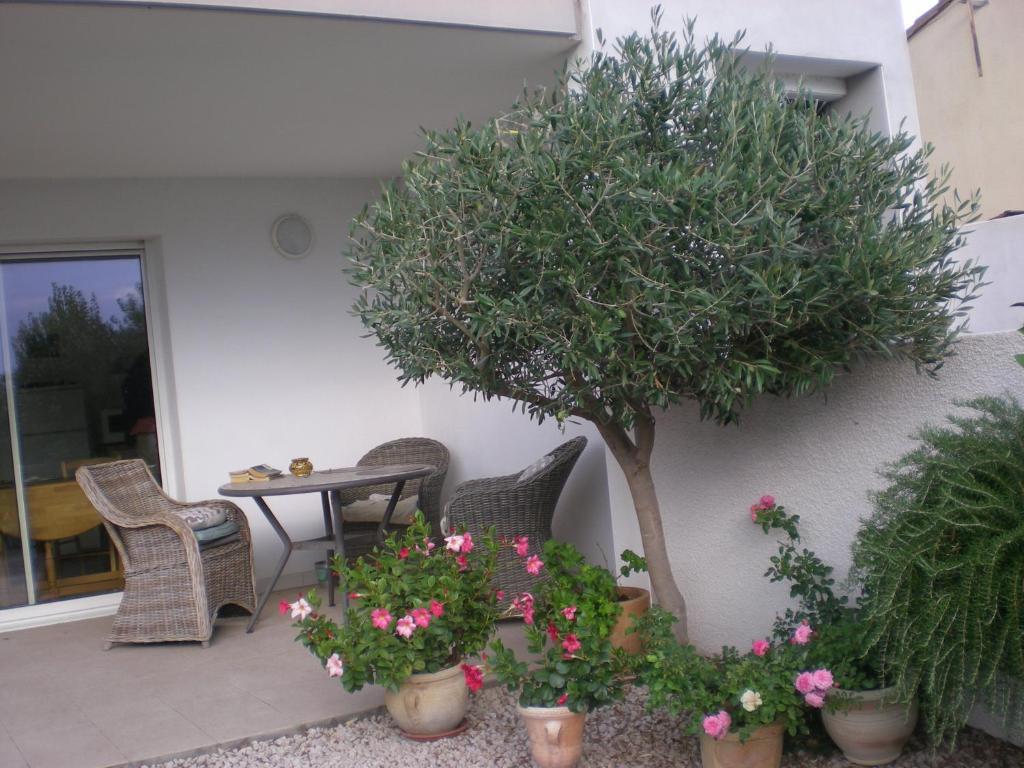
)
(67, 703)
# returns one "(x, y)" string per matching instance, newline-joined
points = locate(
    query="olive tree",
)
(664, 225)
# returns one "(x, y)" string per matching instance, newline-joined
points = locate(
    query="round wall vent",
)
(292, 236)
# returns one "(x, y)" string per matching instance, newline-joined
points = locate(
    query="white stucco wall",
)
(267, 361)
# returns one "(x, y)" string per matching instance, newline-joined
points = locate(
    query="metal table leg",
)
(339, 548)
(325, 504)
(287, 542)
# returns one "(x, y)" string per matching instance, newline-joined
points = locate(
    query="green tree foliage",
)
(665, 225)
(942, 562)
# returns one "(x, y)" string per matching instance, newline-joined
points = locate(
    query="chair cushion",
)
(536, 468)
(372, 510)
(207, 535)
(200, 517)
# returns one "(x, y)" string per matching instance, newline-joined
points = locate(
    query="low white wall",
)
(492, 439)
(267, 361)
(819, 456)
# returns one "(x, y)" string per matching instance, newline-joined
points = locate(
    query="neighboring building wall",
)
(974, 121)
(267, 361)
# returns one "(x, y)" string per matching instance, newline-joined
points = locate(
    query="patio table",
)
(327, 483)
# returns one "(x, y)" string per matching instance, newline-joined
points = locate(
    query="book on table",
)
(258, 473)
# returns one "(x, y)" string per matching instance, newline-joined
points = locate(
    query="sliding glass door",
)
(77, 389)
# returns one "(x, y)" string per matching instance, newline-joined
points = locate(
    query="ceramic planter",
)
(875, 728)
(635, 603)
(556, 735)
(762, 750)
(429, 704)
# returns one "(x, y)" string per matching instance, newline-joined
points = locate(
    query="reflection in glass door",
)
(77, 389)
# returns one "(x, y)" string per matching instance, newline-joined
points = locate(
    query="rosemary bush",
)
(942, 560)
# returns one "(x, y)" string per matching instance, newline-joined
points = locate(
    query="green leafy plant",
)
(942, 562)
(840, 634)
(568, 619)
(731, 692)
(414, 607)
(664, 225)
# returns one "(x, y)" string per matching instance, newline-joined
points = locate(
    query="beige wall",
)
(975, 122)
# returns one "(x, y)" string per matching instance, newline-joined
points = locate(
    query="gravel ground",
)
(619, 736)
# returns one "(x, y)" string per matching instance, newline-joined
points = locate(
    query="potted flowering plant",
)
(740, 704)
(417, 611)
(865, 717)
(568, 620)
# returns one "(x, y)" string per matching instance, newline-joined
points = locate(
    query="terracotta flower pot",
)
(762, 750)
(874, 729)
(429, 704)
(635, 603)
(556, 735)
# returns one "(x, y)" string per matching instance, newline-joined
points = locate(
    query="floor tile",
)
(233, 716)
(79, 746)
(147, 729)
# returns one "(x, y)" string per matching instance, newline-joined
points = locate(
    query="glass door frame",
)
(72, 608)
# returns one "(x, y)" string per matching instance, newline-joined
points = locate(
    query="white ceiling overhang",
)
(118, 90)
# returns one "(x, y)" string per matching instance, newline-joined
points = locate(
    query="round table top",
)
(327, 480)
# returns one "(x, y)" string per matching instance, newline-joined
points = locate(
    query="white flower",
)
(334, 666)
(300, 609)
(455, 543)
(750, 700)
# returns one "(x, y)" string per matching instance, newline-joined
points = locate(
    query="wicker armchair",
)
(515, 508)
(407, 450)
(173, 587)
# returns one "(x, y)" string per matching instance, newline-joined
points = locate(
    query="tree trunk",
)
(634, 459)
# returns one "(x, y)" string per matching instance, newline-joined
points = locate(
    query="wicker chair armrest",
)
(166, 518)
(489, 503)
(485, 485)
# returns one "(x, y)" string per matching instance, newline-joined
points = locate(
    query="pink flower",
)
(717, 726)
(562, 699)
(421, 616)
(354, 595)
(524, 603)
(463, 562)
(454, 543)
(300, 609)
(380, 618)
(437, 609)
(522, 545)
(406, 626)
(823, 679)
(767, 502)
(283, 607)
(474, 677)
(552, 632)
(569, 612)
(533, 565)
(403, 553)
(804, 683)
(571, 644)
(467, 543)
(761, 647)
(500, 594)
(802, 634)
(334, 666)
(815, 699)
